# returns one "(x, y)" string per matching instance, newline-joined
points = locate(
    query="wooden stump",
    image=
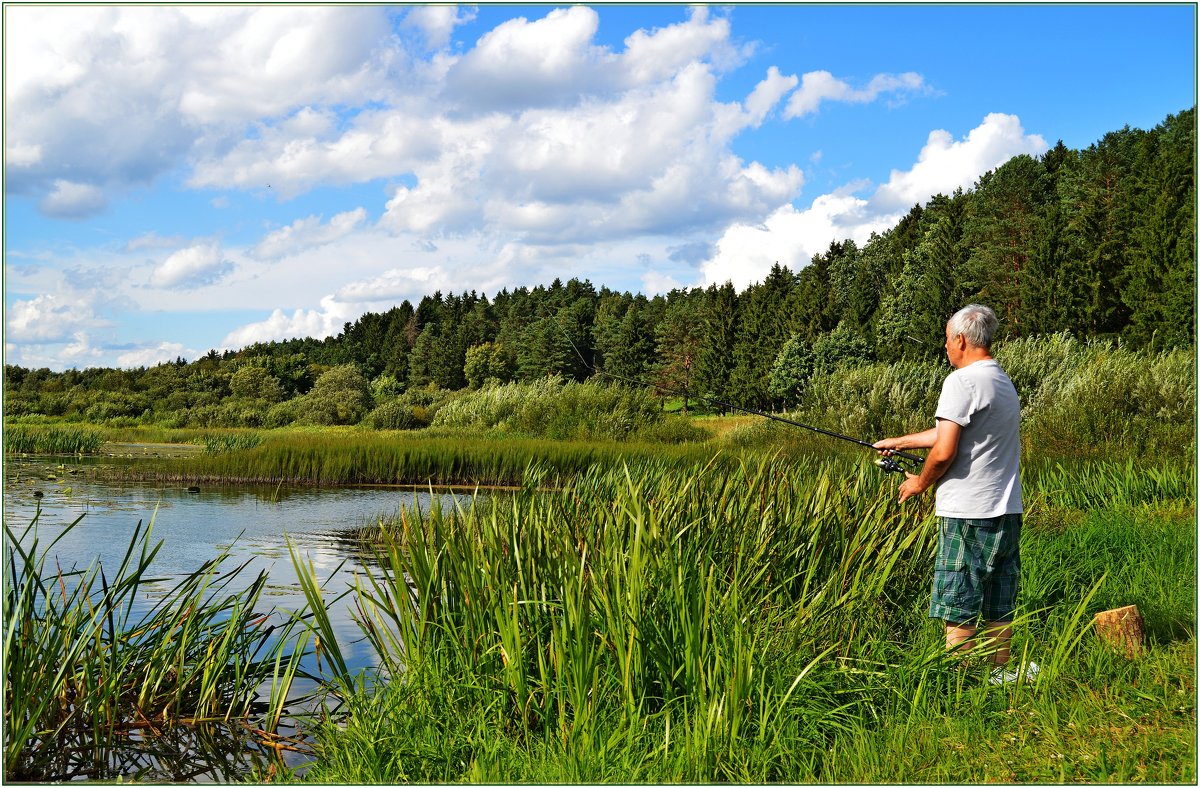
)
(1122, 628)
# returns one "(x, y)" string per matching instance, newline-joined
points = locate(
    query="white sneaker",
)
(1002, 676)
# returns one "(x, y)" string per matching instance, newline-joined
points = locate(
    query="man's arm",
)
(917, 440)
(941, 453)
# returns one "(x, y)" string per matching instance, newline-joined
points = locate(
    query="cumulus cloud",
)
(79, 352)
(107, 96)
(397, 284)
(654, 55)
(820, 86)
(655, 282)
(437, 22)
(52, 317)
(201, 264)
(651, 160)
(68, 200)
(745, 252)
(946, 164)
(307, 233)
(523, 63)
(151, 356)
(320, 323)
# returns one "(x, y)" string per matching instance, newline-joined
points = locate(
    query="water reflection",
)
(254, 522)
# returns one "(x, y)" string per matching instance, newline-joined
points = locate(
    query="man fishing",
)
(974, 462)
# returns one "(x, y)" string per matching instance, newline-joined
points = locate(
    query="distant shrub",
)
(552, 408)
(282, 414)
(873, 400)
(397, 415)
(341, 396)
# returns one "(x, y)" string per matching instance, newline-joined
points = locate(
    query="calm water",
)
(254, 522)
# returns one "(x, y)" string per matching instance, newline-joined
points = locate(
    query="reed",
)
(623, 599)
(96, 687)
(739, 622)
(219, 443)
(331, 456)
(45, 439)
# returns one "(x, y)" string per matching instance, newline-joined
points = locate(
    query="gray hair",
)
(975, 322)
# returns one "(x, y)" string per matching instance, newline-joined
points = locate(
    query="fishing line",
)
(889, 463)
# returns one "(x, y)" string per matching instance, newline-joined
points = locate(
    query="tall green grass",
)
(650, 623)
(95, 689)
(39, 439)
(219, 443)
(353, 456)
(725, 610)
(1095, 398)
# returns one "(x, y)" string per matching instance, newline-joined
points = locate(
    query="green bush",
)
(341, 396)
(282, 414)
(397, 415)
(552, 408)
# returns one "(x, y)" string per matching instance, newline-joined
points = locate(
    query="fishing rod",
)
(891, 463)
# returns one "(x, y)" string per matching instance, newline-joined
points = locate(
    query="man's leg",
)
(1000, 635)
(958, 637)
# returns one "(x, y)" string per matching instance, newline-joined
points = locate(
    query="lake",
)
(255, 523)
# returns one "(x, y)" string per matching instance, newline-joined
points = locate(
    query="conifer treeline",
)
(1097, 242)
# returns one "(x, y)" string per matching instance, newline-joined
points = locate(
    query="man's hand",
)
(911, 486)
(887, 445)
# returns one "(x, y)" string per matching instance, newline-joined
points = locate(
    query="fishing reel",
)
(894, 464)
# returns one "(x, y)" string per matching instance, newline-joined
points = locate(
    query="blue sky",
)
(181, 178)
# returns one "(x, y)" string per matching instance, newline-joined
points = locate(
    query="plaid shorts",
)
(977, 569)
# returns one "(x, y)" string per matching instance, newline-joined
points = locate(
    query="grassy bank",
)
(347, 455)
(760, 623)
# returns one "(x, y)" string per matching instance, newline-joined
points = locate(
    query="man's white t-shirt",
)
(984, 479)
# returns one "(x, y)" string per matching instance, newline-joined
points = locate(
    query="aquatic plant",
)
(44, 439)
(98, 687)
(221, 442)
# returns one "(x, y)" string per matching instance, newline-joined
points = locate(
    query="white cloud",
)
(819, 86)
(650, 160)
(945, 164)
(307, 233)
(79, 352)
(201, 264)
(397, 284)
(22, 155)
(150, 356)
(654, 283)
(52, 317)
(325, 322)
(524, 63)
(437, 22)
(746, 251)
(651, 56)
(70, 200)
(108, 96)
(153, 240)
(767, 94)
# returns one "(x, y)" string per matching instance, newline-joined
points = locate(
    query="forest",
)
(1097, 244)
